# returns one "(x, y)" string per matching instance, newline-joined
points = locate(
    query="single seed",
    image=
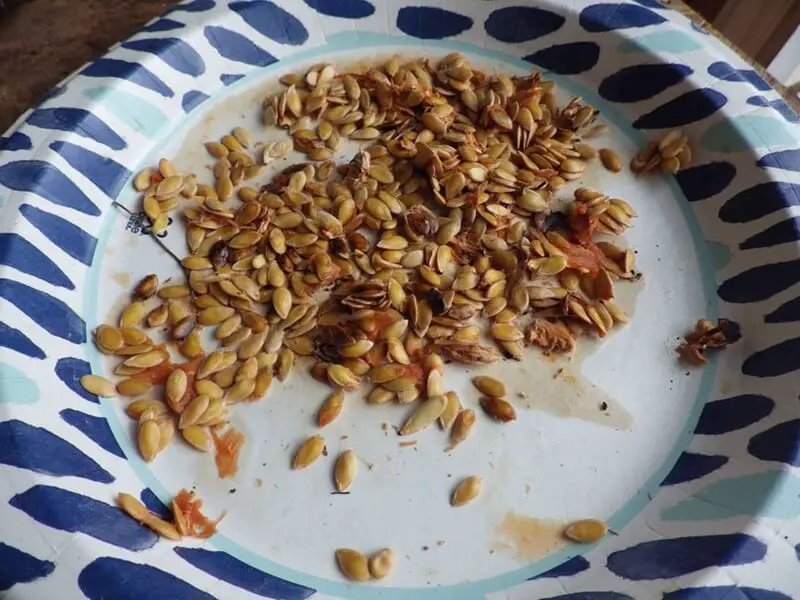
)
(198, 437)
(309, 451)
(466, 491)
(461, 427)
(99, 386)
(424, 415)
(381, 563)
(133, 387)
(353, 564)
(489, 386)
(499, 409)
(344, 472)
(610, 160)
(586, 531)
(331, 408)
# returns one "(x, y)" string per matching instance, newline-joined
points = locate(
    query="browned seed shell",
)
(499, 409)
(309, 451)
(586, 531)
(466, 491)
(353, 564)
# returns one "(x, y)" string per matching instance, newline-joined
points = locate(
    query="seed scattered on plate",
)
(466, 491)
(586, 531)
(345, 470)
(381, 563)
(353, 564)
(99, 386)
(309, 451)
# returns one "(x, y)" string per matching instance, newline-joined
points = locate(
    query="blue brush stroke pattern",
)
(776, 360)
(760, 200)
(575, 565)
(68, 511)
(104, 172)
(271, 21)
(50, 313)
(163, 24)
(193, 7)
(431, 23)
(566, 59)
(640, 82)
(685, 109)
(731, 414)
(38, 450)
(17, 566)
(222, 565)
(780, 443)
(175, 52)
(70, 238)
(779, 105)
(45, 180)
(704, 181)
(346, 9)
(16, 141)
(129, 71)
(192, 99)
(788, 312)
(691, 466)
(78, 121)
(608, 16)
(236, 47)
(154, 505)
(780, 233)
(17, 341)
(761, 282)
(95, 428)
(725, 592)
(726, 72)
(788, 160)
(18, 253)
(591, 596)
(516, 24)
(107, 577)
(668, 558)
(229, 78)
(70, 370)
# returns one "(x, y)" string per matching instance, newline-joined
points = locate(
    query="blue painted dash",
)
(70, 238)
(95, 428)
(50, 313)
(107, 577)
(17, 566)
(18, 253)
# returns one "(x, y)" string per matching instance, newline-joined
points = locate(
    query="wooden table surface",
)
(43, 41)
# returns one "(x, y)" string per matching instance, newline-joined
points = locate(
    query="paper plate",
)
(693, 469)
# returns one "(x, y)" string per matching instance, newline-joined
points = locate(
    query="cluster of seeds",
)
(442, 240)
(670, 154)
(357, 567)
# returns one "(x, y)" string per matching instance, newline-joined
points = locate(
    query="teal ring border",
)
(476, 590)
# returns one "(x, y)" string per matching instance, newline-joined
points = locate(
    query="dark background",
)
(42, 41)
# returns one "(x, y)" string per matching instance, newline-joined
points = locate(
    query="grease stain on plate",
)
(527, 538)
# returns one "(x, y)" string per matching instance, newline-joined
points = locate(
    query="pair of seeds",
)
(357, 567)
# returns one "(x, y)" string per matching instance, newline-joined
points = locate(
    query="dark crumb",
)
(232, 491)
(707, 336)
(604, 406)
(425, 548)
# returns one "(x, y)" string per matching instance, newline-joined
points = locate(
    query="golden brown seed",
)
(610, 160)
(489, 386)
(309, 451)
(138, 407)
(282, 301)
(158, 316)
(132, 315)
(353, 564)
(133, 507)
(241, 390)
(214, 315)
(344, 472)
(148, 438)
(381, 563)
(208, 388)
(499, 409)
(341, 376)
(466, 491)
(331, 408)
(163, 528)
(108, 338)
(424, 415)
(146, 360)
(586, 531)
(451, 410)
(133, 387)
(99, 386)
(198, 437)
(461, 428)
(193, 411)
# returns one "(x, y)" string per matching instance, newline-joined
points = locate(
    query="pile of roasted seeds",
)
(442, 240)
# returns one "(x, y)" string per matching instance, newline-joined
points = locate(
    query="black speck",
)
(604, 406)
(688, 373)
(424, 548)
(232, 491)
